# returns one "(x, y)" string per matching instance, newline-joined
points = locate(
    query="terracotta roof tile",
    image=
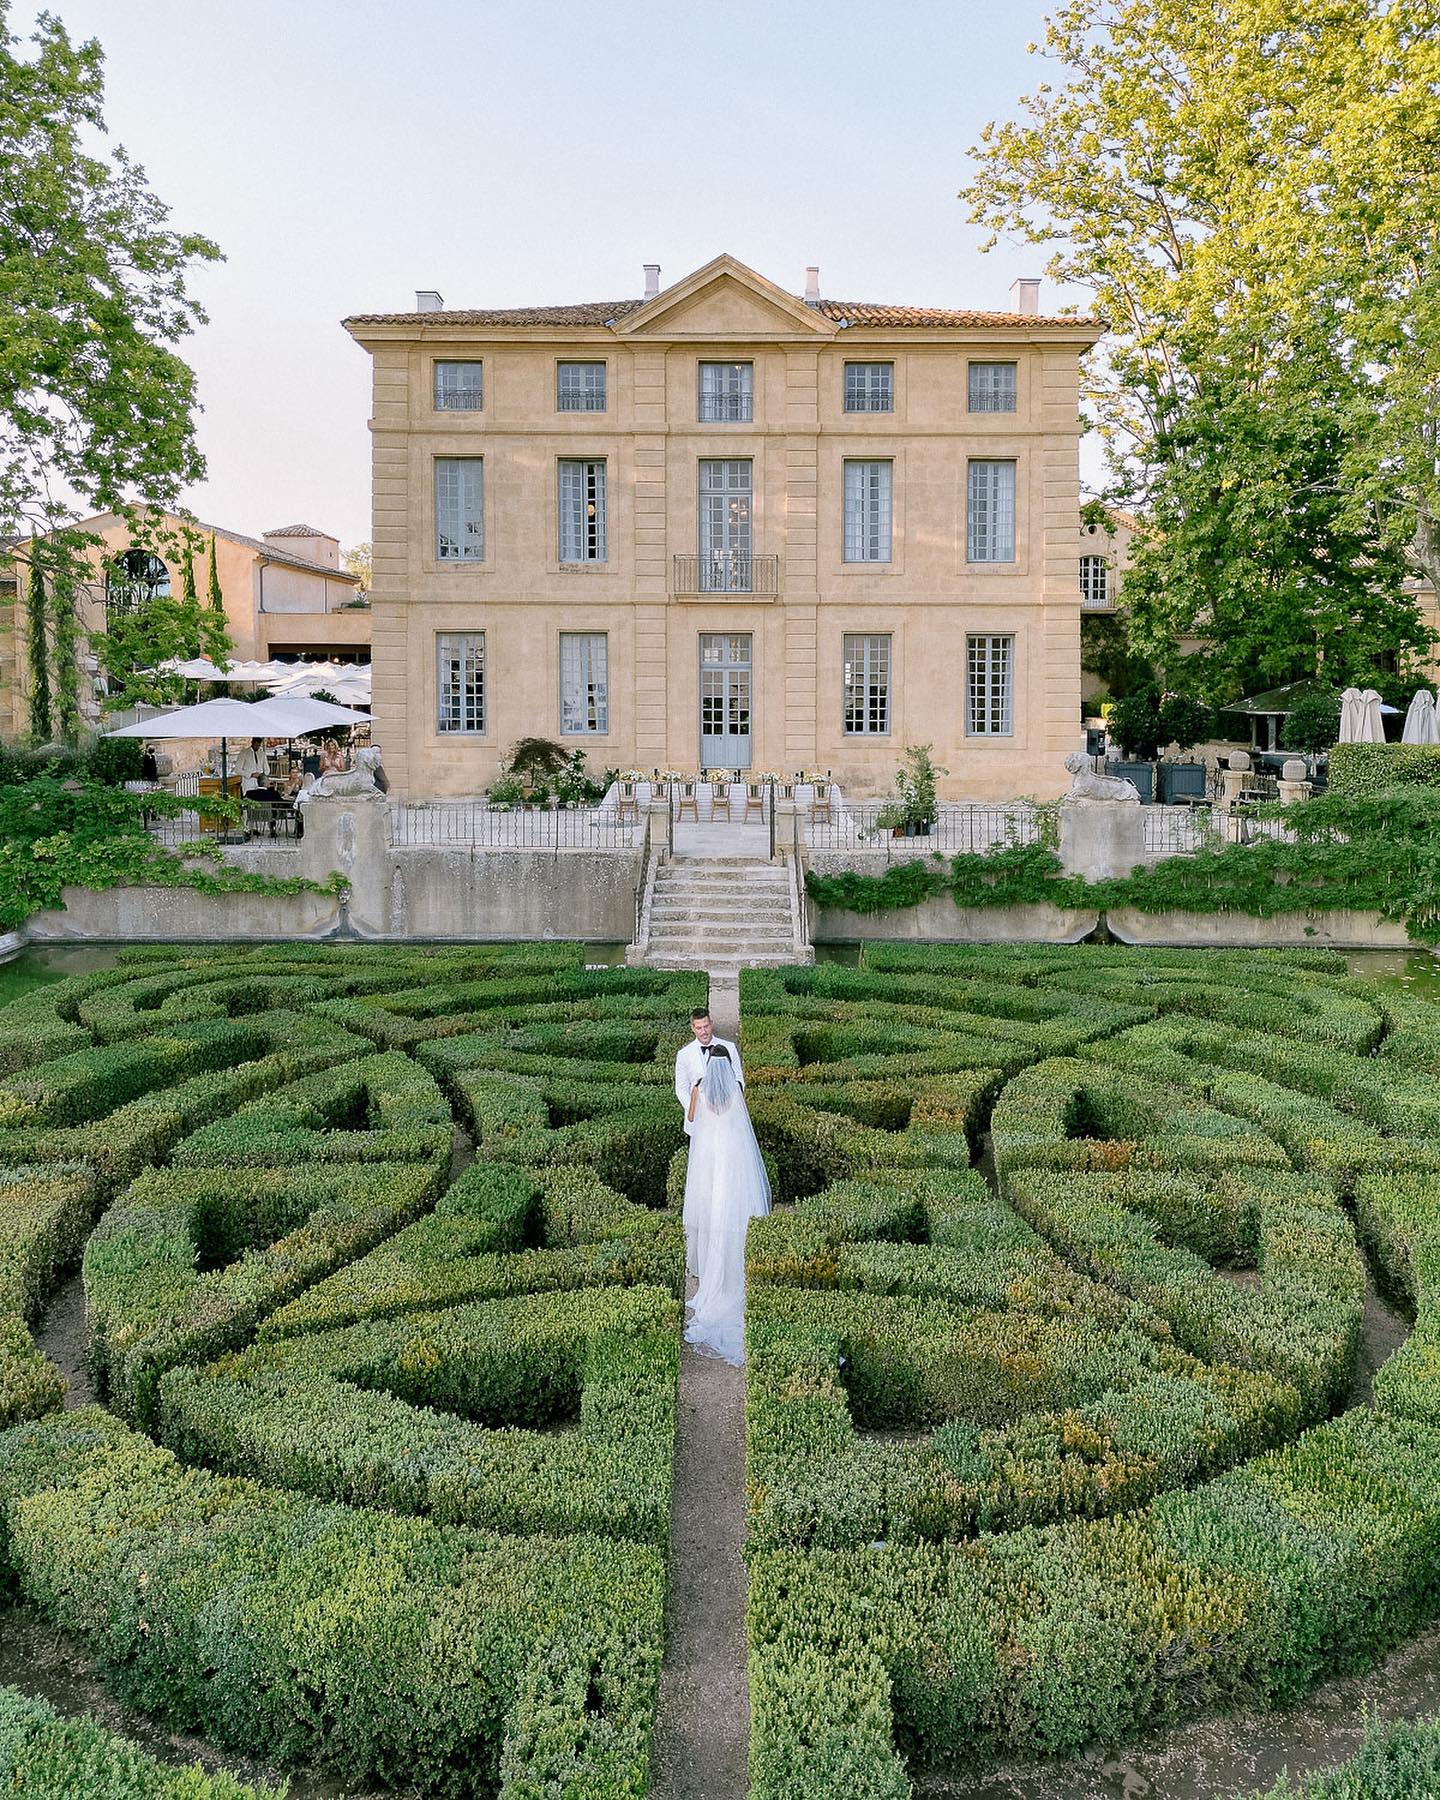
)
(874, 312)
(298, 531)
(848, 312)
(587, 312)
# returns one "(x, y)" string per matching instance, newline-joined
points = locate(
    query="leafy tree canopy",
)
(1247, 189)
(94, 403)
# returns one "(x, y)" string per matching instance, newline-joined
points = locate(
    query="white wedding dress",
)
(725, 1187)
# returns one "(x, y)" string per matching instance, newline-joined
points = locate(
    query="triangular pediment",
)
(725, 300)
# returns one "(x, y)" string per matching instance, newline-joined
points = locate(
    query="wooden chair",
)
(720, 795)
(754, 801)
(821, 808)
(627, 804)
(689, 799)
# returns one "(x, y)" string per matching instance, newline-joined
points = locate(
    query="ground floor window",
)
(460, 681)
(584, 683)
(866, 659)
(989, 686)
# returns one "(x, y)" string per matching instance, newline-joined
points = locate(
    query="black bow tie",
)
(707, 1048)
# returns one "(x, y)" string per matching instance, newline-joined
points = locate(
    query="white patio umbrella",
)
(1349, 716)
(207, 719)
(243, 719)
(292, 715)
(195, 668)
(1370, 727)
(1421, 726)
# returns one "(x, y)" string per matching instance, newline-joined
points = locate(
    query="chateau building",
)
(724, 525)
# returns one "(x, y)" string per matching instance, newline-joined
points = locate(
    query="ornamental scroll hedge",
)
(1039, 1461)
(381, 1480)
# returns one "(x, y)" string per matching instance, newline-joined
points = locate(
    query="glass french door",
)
(725, 687)
(726, 560)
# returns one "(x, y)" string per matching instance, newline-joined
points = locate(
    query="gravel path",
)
(702, 1731)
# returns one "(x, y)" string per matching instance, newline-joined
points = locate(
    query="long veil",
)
(726, 1186)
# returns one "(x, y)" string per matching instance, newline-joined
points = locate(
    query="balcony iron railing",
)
(727, 573)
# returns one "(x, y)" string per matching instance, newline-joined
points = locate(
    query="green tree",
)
(1255, 549)
(358, 561)
(96, 406)
(1244, 187)
(215, 639)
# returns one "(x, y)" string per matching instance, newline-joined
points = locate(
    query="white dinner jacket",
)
(690, 1068)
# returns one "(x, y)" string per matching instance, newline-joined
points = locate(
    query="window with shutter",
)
(459, 386)
(992, 387)
(460, 681)
(866, 658)
(989, 685)
(580, 387)
(459, 508)
(869, 387)
(584, 683)
(990, 521)
(726, 392)
(582, 511)
(867, 512)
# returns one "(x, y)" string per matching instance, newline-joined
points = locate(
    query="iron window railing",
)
(727, 572)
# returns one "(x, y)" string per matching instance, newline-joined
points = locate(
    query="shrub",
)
(43, 1753)
(1363, 771)
(258, 1237)
(388, 1648)
(405, 1413)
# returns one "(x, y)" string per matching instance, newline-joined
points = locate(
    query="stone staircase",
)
(718, 913)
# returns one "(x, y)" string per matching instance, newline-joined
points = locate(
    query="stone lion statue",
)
(1086, 785)
(367, 777)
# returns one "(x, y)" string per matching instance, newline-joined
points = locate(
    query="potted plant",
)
(913, 811)
(1147, 719)
(1312, 725)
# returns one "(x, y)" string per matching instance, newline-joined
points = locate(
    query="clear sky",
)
(345, 152)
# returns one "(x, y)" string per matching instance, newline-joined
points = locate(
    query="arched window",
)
(134, 579)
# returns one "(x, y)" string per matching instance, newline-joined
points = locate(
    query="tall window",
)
(460, 681)
(727, 392)
(990, 521)
(1094, 582)
(992, 387)
(580, 387)
(582, 511)
(867, 684)
(726, 560)
(133, 580)
(584, 683)
(990, 660)
(459, 386)
(867, 512)
(869, 387)
(459, 508)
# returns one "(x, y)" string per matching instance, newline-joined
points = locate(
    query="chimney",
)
(1025, 296)
(812, 284)
(652, 280)
(427, 300)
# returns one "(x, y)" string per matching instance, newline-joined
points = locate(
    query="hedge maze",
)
(1050, 1419)
(1054, 1426)
(382, 1293)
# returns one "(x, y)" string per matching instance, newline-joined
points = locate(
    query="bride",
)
(725, 1187)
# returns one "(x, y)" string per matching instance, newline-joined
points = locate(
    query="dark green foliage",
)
(387, 1648)
(42, 1753)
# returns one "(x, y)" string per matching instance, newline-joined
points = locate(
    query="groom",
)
(691, 1061)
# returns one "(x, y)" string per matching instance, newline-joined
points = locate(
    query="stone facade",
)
(778, 648)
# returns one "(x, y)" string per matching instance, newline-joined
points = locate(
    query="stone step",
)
(723, 943)
(690, 884)
(663, 907)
